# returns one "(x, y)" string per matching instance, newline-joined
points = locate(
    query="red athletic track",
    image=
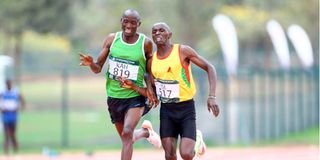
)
(260, 153)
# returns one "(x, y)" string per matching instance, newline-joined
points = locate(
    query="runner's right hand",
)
(85, 60)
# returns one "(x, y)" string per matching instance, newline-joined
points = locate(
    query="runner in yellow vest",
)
(127, 52)
(171, 70)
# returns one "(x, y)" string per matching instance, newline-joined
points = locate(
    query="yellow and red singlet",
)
(174, 82)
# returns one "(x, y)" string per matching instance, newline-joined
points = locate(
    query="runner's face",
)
(8, 84)
(160, 34)
(129, 25)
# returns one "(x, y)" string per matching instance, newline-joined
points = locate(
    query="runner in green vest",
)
(127, 53)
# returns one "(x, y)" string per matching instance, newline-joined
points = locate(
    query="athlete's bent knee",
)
(187, 155)
(127, 133)
(170, 156)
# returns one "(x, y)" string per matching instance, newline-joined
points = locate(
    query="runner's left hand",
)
(153, 100)
(213, 107)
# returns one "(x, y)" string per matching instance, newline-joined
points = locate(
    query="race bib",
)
(10, 105)
(123, 68)
(168, 90)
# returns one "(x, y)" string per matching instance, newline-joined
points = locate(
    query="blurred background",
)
(263, 98)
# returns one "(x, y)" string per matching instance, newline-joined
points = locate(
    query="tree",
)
(42, 16)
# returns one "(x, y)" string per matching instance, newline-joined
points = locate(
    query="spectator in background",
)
(11, 101)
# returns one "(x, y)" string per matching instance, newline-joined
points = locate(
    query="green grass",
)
(86, 129)
(46, 93)
(308, 137)
(90, 128)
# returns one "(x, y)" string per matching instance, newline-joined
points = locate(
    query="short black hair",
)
(164, 24)
(132, 12)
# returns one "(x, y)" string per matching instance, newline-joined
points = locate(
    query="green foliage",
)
(248, 21)
(50, 51)
(89, 22)
(39, 15)
(44, 44)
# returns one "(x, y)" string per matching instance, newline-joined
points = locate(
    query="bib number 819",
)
(121, 72)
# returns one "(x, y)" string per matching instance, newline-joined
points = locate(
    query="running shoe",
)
(200, 147)
(153, 138)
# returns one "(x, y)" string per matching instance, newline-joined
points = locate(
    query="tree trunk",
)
(17, 58)
(188, 32)
(7, 50)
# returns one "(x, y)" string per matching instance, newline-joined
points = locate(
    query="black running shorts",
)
(118, 107)
(10, 126)
(178, 119)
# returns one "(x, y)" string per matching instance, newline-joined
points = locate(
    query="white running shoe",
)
(200, 147)
(153, 138)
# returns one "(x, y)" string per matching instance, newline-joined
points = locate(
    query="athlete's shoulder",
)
(187, 52)
(148, 46)
(146, 38)
(147, 41)
(185, 49)
(111, 36)
(109, 39)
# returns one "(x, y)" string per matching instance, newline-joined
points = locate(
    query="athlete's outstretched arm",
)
(153, 101)
(189, 55)
(87, 60)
